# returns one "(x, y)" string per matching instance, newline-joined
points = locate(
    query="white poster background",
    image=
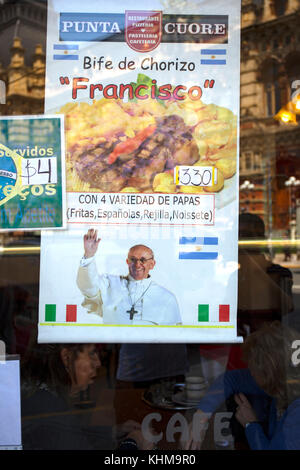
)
(208, 282)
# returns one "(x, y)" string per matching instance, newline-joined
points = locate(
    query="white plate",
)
(182, 399)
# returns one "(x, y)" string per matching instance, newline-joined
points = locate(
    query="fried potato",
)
(227, 167)
(215, 133)
(224, 153)
(224, 114)
(191, 189)
(163, 179)
(215, 188)
(129, 189)
(161, 188)
(202, 147)
(164, 183)
(207, 113)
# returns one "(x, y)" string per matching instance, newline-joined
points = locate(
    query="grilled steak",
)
(170, 144)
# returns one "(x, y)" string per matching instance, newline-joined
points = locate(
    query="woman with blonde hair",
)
(267, 393)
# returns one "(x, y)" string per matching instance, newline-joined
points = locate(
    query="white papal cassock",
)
(112, 297)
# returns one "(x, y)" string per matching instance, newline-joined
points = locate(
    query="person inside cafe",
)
(267, 393)
(53, 378)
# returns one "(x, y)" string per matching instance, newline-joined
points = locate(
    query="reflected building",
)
(270, 132)
(22, 58)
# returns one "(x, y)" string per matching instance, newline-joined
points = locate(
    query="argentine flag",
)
(198, 248)
(213, 57)
(65, 52)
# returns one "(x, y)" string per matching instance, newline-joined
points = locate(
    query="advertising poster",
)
(150, 95)
(32, 173)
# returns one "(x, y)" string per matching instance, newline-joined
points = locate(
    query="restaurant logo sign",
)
(143, 30)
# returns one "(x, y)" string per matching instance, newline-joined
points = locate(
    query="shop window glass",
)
(124, 385)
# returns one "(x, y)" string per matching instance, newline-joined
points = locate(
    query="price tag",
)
(195, 175)
(39, 170)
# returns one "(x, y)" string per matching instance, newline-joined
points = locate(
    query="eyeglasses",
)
(134, 260)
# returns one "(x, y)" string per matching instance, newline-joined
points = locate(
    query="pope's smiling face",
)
(140, 261)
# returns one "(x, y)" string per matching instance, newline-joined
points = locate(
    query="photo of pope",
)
(134, 299)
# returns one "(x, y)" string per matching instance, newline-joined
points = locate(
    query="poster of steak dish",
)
(150, 99)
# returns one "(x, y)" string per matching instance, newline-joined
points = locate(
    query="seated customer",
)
(52, 377)
(264, 288)
(272, 382)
